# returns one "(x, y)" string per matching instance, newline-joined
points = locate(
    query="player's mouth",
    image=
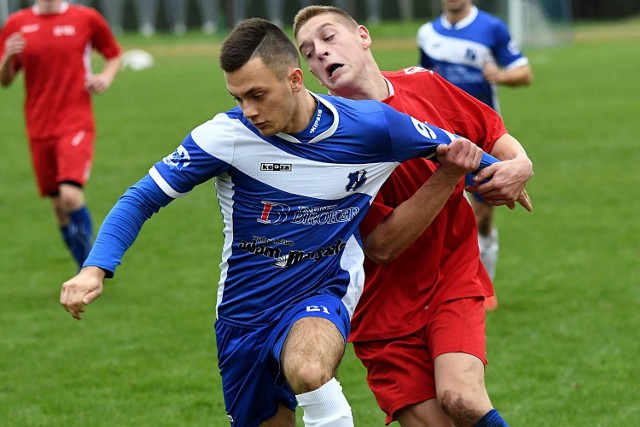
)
(332, 69)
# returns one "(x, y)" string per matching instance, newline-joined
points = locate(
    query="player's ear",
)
(364, 36)
(296, 79)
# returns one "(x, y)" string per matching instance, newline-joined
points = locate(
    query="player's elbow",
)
(380, 253)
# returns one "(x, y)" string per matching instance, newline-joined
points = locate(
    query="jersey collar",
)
(464, 22)
(327, 133)
(63, 8)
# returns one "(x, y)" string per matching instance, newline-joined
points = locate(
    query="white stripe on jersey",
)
(164, 186)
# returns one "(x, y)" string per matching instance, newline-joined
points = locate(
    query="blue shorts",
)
(249, 360)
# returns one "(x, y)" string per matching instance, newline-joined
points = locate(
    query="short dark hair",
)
(258, 38)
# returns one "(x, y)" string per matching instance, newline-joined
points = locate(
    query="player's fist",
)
(81, 290)
(14, 44)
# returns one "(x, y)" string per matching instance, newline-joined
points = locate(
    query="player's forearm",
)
(409, 220)
(7, 71)
(519, 76)
(111, 68)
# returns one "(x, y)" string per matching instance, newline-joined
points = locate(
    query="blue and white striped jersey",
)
(458, 52)
(291, 204)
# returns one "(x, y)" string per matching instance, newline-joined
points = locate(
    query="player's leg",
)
(400, 373)
(424, 414)
(310, 356)
(487, 241)
(458, 341)
(254, 395)
(284, 418)
(487, 235)
(74, 155)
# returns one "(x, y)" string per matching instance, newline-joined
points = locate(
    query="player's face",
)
(335, 54)
(455, 6)
(266, 100)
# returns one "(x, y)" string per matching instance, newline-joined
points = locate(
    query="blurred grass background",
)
(562, 346)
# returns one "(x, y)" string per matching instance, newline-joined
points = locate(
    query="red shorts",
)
(400, 371)
(66, 158)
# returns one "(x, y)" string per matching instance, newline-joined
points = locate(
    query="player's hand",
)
(458, 158)
(81, 290)
(491, 72)
(97, 83)
(507, 183)
(14, 44)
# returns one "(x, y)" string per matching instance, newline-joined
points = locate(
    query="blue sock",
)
(79, 234)
(491, 419)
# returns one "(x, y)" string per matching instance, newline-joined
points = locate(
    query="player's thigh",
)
(313, 341)
(400, 371)
(74, 156)
(45, 167)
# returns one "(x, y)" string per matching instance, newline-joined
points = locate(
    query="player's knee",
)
(307, 375)
(71, 197)
(464, 404)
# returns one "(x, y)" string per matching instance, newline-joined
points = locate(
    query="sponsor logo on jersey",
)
(294, 257)
(261, 246)
(316, 122)
(64, 30)
(274, 213)
(324, 215)
(180, 158)
(29, 28)
(276, 167)
(356, 180)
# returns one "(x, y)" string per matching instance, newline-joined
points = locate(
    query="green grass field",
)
(563, 346)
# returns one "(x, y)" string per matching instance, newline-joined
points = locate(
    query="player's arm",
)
(398, 230)
(412, 138)
(13, 45)
(517, 76)
(117, 233)
(99, 83)
(508, 177)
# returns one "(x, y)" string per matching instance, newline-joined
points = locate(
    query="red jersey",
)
(444, 262)
(56, 60)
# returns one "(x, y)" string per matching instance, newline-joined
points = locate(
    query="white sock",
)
(326, 406)
(489, 251)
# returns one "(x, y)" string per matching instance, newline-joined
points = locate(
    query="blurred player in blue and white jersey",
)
(474, 50)
(295, 173)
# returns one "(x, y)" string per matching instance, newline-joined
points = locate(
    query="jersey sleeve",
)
(102, 37)
(413, 138)
(124, 222)
(506, 50)
(205, 153)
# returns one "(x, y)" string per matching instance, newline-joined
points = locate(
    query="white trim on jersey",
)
(164, 186)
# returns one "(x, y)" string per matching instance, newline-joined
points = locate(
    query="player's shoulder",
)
(411, 78)
(20, 16)
(486, 18)
(349, 105)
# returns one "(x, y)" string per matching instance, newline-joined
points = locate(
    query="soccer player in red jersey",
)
(419, 327)
(52, 42)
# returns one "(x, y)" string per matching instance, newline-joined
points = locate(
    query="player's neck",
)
(306, 110)
(455, 16)
(371, 86)
(49, 7)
